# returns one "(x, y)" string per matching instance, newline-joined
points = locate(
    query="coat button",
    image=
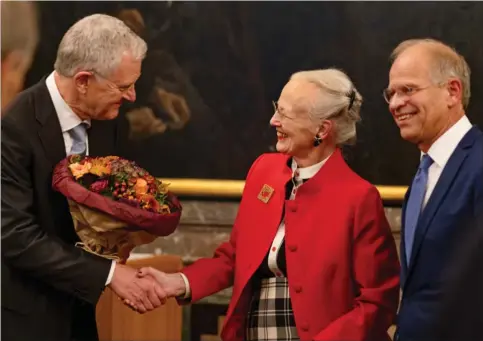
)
(305, 326)
(292, 248)
(298, 289)
(293, 208)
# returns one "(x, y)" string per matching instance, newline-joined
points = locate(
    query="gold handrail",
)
(234, 188)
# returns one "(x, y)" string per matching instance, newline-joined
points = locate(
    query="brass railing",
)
(234, 188)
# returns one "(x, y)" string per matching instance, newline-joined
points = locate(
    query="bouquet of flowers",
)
(115, 204)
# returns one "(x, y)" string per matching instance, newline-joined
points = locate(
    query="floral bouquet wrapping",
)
(115, 205)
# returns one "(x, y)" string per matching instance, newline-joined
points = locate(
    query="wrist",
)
(179, 285)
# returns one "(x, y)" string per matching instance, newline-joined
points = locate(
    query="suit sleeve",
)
(478, 204)
(26, 246)
(375, 275)
(210, 275)
(460, 317)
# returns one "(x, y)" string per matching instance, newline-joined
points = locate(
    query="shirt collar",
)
(307, 172)
(445, 145)
(67, 118)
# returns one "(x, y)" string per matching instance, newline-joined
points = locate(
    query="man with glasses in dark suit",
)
(50, 287)
(428, 93)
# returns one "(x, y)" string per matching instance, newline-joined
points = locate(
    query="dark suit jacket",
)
(446, 218)
(461, 315)
(48, 284)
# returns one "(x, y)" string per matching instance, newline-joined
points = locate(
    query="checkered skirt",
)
(271, 316)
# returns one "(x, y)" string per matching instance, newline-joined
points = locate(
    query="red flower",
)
(99, 186)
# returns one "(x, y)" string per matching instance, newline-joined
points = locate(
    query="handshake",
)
(145, 289)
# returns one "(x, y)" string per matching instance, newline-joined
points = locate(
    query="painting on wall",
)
(204, 99)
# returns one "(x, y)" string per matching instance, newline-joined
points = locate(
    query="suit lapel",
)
(276, 181)
(50, 132)
(437, 197)
(101, 135)
(402, 249)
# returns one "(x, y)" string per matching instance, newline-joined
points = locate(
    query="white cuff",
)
(111, 273)
(187, 293)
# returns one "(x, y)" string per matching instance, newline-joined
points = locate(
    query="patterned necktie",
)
(415, 203)
(79, 137)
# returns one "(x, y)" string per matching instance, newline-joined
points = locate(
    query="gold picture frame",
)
(233, 188)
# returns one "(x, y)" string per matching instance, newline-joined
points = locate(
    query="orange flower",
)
(164, 209)
(78, 170)
(150, 202)
(110, 158)
(141, 186)
(100, 170)
(162, 187)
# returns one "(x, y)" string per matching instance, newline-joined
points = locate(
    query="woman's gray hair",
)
(97, 43)
(339, 101)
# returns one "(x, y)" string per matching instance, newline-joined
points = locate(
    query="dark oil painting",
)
(204, 99)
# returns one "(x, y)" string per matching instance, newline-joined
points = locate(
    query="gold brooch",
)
(265, 193)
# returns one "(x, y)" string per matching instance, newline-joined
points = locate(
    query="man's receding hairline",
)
(431, 48)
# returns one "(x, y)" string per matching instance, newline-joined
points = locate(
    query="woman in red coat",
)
(311, 255)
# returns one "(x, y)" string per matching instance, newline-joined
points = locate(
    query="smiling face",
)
(421, 107)
(104, 96)
(295, 129)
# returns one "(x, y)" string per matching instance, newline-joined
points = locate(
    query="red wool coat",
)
(341, 256)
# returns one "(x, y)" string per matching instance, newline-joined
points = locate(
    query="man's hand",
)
(141, 293)
(172, 284)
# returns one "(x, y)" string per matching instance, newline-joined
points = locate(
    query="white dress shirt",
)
(68, 120)
(441, 151)
(298, 175)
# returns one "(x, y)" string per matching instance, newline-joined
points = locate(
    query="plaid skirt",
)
(271, 316)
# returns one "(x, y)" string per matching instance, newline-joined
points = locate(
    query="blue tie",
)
(79, 137)
(415, 203)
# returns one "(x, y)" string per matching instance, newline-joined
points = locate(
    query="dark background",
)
(229, 60)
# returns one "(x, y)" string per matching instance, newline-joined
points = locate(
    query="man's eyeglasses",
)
(121, 88)
(402, 91)
(124, 88)
(405, 91)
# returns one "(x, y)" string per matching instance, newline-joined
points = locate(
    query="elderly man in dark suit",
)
(19, 41)
(50, 287)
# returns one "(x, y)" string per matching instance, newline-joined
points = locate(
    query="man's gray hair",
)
(97, 43)
(20, 30)
(339, 101)
(448, 63)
